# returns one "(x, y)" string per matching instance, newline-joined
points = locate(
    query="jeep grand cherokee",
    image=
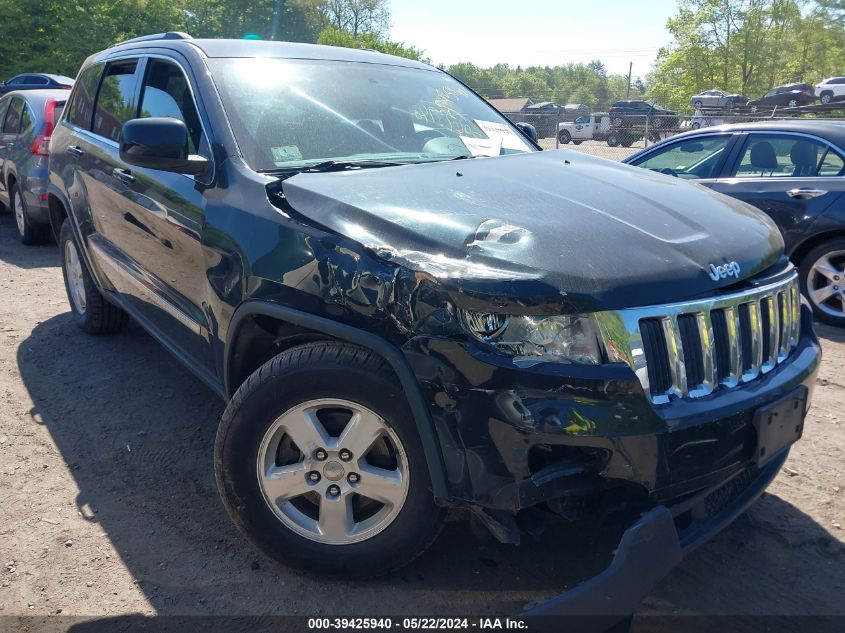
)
(410, 308)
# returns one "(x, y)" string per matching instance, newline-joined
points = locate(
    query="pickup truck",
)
(598, 127)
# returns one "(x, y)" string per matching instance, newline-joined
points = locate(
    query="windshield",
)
(290, 113)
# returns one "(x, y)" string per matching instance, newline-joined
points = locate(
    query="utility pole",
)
(630, 70)
(274, 28)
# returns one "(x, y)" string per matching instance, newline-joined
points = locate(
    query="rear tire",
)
(792, 103)
(90, 309)
(613, 140)
(29, 232)
(288, 528)
(577, 142)
(822, 277)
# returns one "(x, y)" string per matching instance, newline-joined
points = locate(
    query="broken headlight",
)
(556, 339)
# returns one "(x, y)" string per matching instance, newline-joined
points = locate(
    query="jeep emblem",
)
(722, 272)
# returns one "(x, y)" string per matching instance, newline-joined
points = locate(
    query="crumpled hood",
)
(549, 223)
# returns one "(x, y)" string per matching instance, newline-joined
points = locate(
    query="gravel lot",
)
(108, 505)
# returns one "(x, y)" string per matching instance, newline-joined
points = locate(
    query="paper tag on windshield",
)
(285, 154)
(482, 146)
(501, 139)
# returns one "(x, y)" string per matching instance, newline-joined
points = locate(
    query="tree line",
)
(748, 46)
(57, 35)
(744, 46)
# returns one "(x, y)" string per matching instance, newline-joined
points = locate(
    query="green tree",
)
(332, 36)
(748, 46)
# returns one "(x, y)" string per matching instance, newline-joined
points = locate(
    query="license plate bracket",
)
(779, 424)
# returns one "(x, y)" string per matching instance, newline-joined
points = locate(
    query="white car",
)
(831, 89)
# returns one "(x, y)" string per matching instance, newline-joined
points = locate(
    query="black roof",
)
(267, 48)
(62, 79)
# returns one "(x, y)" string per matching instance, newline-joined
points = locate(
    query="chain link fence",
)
(618, 134)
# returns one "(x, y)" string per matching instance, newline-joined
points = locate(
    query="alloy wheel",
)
(75, 278)
(20, 219)
(826, 283)
(333, 471)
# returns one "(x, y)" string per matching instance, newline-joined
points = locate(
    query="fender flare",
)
(348, 333)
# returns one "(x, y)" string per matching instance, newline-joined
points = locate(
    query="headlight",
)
(556, 339)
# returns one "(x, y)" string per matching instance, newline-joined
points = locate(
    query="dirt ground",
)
(108, 505)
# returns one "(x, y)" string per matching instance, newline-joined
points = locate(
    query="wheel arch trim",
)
(350, 334)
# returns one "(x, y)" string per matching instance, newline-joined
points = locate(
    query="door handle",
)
(76, 151)
(804, 193)
(123, 175)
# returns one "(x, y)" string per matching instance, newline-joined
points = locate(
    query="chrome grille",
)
(689, 350)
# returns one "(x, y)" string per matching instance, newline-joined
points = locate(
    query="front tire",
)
(564, 137)
(826, 97)
(289, 486)
(90, 309)
(822, 274)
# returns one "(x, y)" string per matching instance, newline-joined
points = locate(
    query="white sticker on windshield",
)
(501, 139)
(285, 154)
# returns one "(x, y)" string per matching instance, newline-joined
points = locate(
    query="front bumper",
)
(513, 438)
(647, 552)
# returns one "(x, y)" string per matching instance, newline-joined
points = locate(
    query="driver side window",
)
(690, 159)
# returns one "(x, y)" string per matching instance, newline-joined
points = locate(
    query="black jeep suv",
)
(402, 323)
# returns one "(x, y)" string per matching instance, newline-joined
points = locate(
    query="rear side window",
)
(166, 93)
(35, 80)
(13, 117)
(773, 155)
(115, 99)
(27, 119)
(4, 105)
(831, 164)
(81, 107)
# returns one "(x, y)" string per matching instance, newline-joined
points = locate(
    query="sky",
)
(536, 32)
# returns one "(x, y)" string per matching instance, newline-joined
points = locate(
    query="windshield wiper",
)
(333, 165)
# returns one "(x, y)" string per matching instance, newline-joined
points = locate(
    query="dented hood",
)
(547, 223)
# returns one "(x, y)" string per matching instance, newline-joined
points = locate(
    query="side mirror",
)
(159, 143)
(529, 130)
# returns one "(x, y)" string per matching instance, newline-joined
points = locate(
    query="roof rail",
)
(170, 35)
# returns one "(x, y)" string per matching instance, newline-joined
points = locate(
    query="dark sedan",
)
(35, 81)
(786, 96)
(795, 172)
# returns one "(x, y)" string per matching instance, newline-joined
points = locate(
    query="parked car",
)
(26, 122)
(544, 117)
(794, 171)
(399, 330)
(830, 89)
(717, 99)
(572, 111)
(35, 81)
(789, 95)
(629, 112)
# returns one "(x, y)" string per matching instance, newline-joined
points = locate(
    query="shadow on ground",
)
(13, 252)
(136, 430)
